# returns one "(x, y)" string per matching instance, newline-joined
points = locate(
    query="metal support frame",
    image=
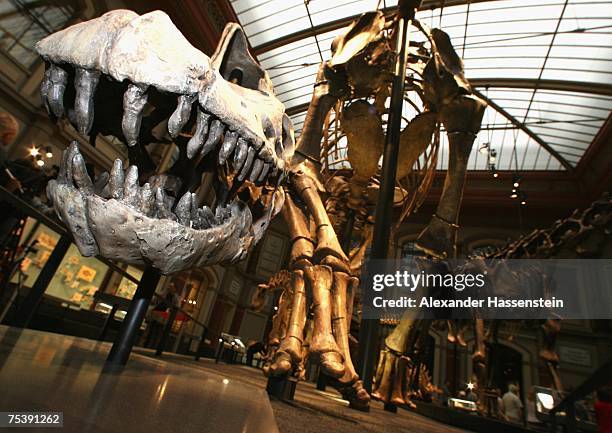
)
(369, 329)
(122, 347)
(520, 125)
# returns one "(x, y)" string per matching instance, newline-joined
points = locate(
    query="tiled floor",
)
(49, 372)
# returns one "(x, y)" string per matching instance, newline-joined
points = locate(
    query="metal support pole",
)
(369, 329)
(166, 333)
(34, 296)
(122, 347)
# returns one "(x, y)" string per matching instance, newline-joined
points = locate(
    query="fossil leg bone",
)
(279, 326)
(323, 345)
(327, 242)
(302, 248)
(462, 119)
(339, 322)
(290, 351)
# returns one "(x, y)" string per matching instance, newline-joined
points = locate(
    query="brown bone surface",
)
(323, 344)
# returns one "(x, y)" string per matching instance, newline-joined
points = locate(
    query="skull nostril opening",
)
(278, 146)
(268, 128)
(236, 76)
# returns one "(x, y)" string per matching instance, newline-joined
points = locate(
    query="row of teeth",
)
(249, 161)
(154, 202)
(151, 201)
(252, 161)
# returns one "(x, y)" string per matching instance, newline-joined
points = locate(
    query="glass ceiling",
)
(546, 65)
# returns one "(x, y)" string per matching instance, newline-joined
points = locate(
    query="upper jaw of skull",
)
(226, 103)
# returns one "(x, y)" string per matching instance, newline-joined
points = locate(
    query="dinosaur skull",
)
(138, 73)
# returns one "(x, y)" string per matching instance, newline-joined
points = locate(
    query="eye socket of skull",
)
(235, 64)
(287, 147)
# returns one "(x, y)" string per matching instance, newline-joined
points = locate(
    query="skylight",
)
(547, 64)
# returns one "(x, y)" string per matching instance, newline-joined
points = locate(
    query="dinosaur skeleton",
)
(354, 84)
(131, 76)
(585, 234)
(138, 79)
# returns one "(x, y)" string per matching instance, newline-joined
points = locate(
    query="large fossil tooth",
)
(134, 101)
(246, 168)
(228, 146)
(183, 209)
(278, 165)
(206, 218)
(85, 84)
(116, 180)
(101, 184)
(197, 140)
(55, 95)
(222, 213)
(131, 187)
(214, 136)
(194, 208)
(67, 157)
(257, 168)
(79, 172)
(146, 200)
(161, 205)
(264, 172)
(240, 156)
(180, 116)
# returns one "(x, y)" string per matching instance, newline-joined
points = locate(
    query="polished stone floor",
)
(41, 371)
(315, 411)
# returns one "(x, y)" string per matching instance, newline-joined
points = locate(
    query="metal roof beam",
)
(527, 131)
(519, 83)
(343, 22)
(531, 83)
